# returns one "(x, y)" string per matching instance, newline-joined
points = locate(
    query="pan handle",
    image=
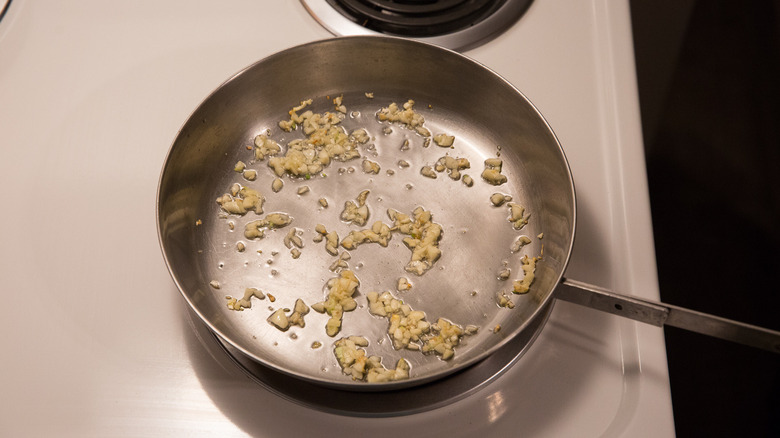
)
(659, 314)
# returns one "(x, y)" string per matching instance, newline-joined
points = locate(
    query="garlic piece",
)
(519, 243)
(517, 215)
(241, 200)
(492, 173)
(277, 185)
(444, 140)
(339, 300)
(370, 166)
(356, 213)
(264, 147)
(428, 171)
(529, 268)
(245, 302)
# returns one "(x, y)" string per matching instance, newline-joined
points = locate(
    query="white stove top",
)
(95, 336)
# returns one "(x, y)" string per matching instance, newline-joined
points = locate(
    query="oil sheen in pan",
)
(462, 285)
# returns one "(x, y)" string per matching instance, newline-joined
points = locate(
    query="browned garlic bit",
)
(215, 284)
(403, 284)
(469, 181)
(302, 190)
(403, 163)
(355, 363)
(504, 301)
(241, 200)
(519, 243)
(406, 327)
(379, 233)
(323, 202)
(444, 140)
(405, 145)
(407, 117)
(443, 338)
(239, 167)
(370, 166)
(423, 238)
(246, 301)
(331, 239)
(255, 229)
(326, 141)
(356, 213)
(339, 300)
(517, 215)
(529, 268)
(240, 246)
(492, 173)
(453, 166)
(265, 147)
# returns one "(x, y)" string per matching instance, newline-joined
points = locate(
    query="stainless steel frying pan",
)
(457, 96)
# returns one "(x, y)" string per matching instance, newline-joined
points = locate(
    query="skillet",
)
(488, 117)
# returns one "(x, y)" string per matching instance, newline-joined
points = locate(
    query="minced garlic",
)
(492, 172)
(519, 243)
(517, 215)
(326, 140)
(444, 140)
(406, 326)
(529, 268)
(241, 200)
(428, 171)
(406, 116)
(504, 301)
(339, 300)
(355, 363)
(403, 284)
(452, 165)
(370, 166)
(255, 229)
(443, 338)
(423, 238)
(246, 301)
(265, 147)
(331, 239)
(277, 185)
(379, 233)
(356, 213)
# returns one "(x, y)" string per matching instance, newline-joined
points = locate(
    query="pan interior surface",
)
(487, 116)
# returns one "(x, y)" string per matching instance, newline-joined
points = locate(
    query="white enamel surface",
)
(94, 336)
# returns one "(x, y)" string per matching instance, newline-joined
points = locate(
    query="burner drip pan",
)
(382, 403)
(417, 18)
(454, 24)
